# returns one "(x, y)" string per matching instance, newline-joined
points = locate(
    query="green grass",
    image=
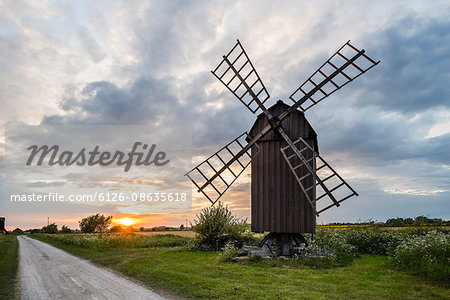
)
(8, 266)
(200, 274)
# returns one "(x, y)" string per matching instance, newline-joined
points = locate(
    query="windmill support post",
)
(285, 242)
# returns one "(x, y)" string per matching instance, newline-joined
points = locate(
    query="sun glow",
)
(125, 221)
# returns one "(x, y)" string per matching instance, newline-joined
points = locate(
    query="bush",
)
(328, 239)
(51, 228)
(95, 223)
(426, 255)
(255, 258)
(228, 252)
(216, 226)
(373, 241)
(115, 228)
(65, 229)
(17, 231)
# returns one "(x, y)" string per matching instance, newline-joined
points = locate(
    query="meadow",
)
(370, 266)
(8, 266)
(186, 233)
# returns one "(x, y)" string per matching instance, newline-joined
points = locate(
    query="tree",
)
(17, 231)
(141, 228)
(65, 229)
(397, 222)
(51, 228)
(95, 223)
(181, 227)
(116, 228)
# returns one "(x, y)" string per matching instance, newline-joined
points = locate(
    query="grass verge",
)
(200, 274)
(8, 266)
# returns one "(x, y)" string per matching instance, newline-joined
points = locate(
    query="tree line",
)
(100, 223)
(401, 222)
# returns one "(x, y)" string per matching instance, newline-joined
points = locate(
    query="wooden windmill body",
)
(277, 201)
(289, 177)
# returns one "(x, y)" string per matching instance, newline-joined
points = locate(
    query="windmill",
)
(291, 183)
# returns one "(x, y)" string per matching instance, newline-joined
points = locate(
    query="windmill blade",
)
(238, 74)
(214, 176)
(344, 66)
(328, 183)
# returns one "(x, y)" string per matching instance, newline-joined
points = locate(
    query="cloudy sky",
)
(138, 62)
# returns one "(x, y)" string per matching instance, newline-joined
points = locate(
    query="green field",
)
(162, 264)
(8, 266)
(186, 233)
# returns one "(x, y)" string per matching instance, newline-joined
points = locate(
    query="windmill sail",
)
(214, 176)
(328, 183)
(238, 74)
(344, 66)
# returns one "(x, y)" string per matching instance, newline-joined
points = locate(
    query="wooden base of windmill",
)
(285, 242)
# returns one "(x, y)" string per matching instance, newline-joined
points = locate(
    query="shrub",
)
(95, 223)
(116, 228)
(17, 231)
(426, 255)
(51, 228)
(328, 239)
(216, 226)
(65, 229)
(373, 241)
(228, 252)
(255, 258)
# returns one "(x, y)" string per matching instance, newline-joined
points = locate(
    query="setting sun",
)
(125, 221)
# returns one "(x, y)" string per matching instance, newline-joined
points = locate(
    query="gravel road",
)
(50, 273)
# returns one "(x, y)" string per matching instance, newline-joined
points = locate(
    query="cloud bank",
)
(126, 62)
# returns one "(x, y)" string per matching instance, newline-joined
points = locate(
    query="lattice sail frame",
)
(238, 74)
(327, 182)
(204, 171)
(360, 65)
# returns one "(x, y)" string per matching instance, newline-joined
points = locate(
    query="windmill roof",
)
(275, 110)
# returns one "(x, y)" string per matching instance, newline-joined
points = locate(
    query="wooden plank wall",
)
(278, 203)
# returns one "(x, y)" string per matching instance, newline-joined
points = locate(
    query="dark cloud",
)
(372, 138)
(151, 101)
(147, 100)
(413, 76)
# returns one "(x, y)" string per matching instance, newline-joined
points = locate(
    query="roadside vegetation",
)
(426, 255)
(95, 223)
(120, 241)
(169, 263)
(8, 266)
(368, 262)
(216, 227)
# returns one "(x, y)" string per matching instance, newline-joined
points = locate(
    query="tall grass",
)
(373, 241)
(427, 255)
(8, 266)
(95, 241)
(334, 240)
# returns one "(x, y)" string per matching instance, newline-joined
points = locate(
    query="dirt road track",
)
(50, 273)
